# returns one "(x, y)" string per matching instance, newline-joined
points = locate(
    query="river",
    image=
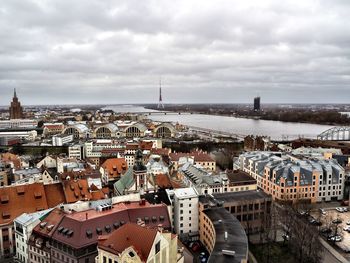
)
(277, 130)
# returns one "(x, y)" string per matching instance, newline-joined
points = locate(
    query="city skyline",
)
(107, 53)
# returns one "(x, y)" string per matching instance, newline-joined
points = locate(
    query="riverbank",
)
(321, 117)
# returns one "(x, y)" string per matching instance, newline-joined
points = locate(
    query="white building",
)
(62, 139)
(25, 135)
(24, 225)
(18, 123)
(76, 151)
(184, 202)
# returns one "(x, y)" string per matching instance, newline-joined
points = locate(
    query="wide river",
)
(277, 130)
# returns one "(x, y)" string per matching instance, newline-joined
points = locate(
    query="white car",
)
(348, 222)
(335, 238)
(340, 209)
(346, 228)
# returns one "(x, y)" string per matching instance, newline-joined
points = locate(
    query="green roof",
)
(125, 182)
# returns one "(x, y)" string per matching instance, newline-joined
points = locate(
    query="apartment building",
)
(289, 178)
(184, 202)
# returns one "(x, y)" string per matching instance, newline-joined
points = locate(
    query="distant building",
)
(289, 178)
(257, 104)
(61, 139)
(16, 110)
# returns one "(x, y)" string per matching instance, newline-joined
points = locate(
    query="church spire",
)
(14, 93)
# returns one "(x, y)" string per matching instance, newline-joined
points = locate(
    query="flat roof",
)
(242, 196)
(237, 241)
(184, 193)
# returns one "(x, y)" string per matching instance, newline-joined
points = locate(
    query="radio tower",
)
(160, 102)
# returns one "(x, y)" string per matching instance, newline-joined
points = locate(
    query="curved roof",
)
(142, 127)
(110, 126)
(80, 127)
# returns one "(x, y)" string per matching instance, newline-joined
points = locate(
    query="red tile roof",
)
(78, 190)
(15, 200)
(50, 223)
(9, 157)
(198, 156)
(115, 167)
(54, 194)
(130, 235)
(90, 221)
(161, 151)
(163, 181)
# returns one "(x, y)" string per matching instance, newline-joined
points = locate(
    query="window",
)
(157, 247)
(104, 259)
(131, 254)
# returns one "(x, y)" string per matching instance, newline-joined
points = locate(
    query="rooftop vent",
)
(154, 219)
(161, 218)
(60, 229)
(72, 187)
(43, 224)
(50, 227)
(122, 223)
(108, 228)
(116, 225)
(146, 219)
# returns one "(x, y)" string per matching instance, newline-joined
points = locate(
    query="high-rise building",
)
(16, 110)
(257, 104)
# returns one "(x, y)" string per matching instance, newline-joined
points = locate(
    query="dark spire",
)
(14, 93)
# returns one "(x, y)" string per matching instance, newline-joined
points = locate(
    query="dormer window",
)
(4, 199)
(37, 195)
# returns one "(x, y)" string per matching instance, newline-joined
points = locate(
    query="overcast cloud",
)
(84, 51)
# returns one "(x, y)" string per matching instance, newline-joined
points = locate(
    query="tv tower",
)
(160, 102)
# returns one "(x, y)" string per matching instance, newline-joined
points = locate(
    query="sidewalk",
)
(331, 250)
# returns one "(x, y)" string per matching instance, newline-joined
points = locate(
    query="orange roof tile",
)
(130, 235)
(115, 167)
(9, 157)
(163, 181)
(198, 156)
(77, 190)
(54, 194)
(15, 200)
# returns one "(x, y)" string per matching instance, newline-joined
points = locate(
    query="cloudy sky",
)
(93, 51)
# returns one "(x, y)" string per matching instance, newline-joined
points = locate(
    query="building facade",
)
(16, 110)
(288, 178)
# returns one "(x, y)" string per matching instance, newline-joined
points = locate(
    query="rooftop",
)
(130, 235)
(226, 224)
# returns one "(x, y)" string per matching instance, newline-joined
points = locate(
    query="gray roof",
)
(225, 222)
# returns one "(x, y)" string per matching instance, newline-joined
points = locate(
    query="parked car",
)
(323, 212)
(342, 209)
(346, 228)
(348, 222)
(335, 238)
